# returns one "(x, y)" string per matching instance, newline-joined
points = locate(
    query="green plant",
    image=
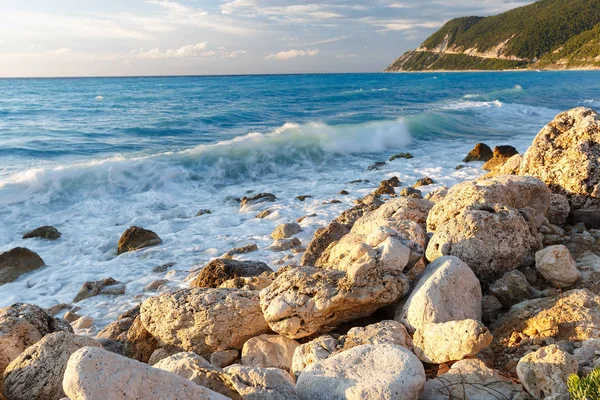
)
(587, 388)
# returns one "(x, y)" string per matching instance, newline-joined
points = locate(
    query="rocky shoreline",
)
(485, 290)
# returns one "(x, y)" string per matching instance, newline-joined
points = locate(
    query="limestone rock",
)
(136, 238)
(224, 358)
(511, 288)
(84, 322)
(16, 262)
(557, 266)
(221, 270)
(107, 286)
(285, 231)
(255, 383)
(382, 371)
(451, 341)
(96, 374)
(501, 155)
(43, 232)
(140, 343)
(510, 166)
(249, 283)
(204, 320)
(269, 351)
(471, 379)
(505, 190)
(258, 198)
(249, 248)
(490, 308)
(481, 152)
(285, 244)
(588, 356)
(545, 372)
(491, 240)
(390, 332)
(38, 372)
(423, 182)
(411, 193)
(565, 155)
(559, 209)
(196, 369)
(399, 209)
(447, 291)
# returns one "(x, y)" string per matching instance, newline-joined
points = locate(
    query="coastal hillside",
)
(549, 34)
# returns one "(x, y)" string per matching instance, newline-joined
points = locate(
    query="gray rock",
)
(136, 238)
(17, 262)
(43, 232)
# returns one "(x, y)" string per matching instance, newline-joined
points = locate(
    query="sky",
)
(206, 37)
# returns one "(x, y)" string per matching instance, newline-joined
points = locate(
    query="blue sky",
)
(161, 37)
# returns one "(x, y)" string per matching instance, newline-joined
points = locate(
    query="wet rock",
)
(264, 214)
(203, 212)
(17, 262)
(285, 231)
(255, 383)
(424, 182)
(565, 155)
(218, 271)
(377, 166)
(43, 232)
(481, 152)
(196, 369)
(204, 320)
(136, 238)
(411, 193)
(385, 188)
(544, 373)
(511, 288)
(394, 181)
(344, 192)
(107, 286)
(447, 291)
(390, 332)
(259, 198)
(269, 351)
(406, 156)
(84, 322)
(96, 374)
(501, 155)
(557, 266)
(37, 373)
(491, 240)
(224, 358)
(285, 244)
(303, 198)
(249, 248)
(471, 379)
(365, 372)
(156, 285)
(450, 341)
(163, 268)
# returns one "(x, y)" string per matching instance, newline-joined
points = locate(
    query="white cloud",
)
(189, 51)
(234, 54)
(286, 55)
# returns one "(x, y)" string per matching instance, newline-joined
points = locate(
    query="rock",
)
(557, 266)
(447, 291)
(450, 341)
(303, 198)
(385, 189)
(357, 276)
(220, 270)
(559, 210)
(162, 353)
(269, 351)
(500, 156)
(259, 198)
(202, 212)
(255, 383)
(163, 268)
(55, 309)
(136, 238)
(204, 320)
(249, 283)
(545, 372)
(71, 316)
(394, 181)
(589, 217)
(392, 212)
(423, 182)
(490, 309)
(84, 322)
(411, 193)
(224, 358)
(264, 214)
(17, 262)
(334, 201)
(285, 231)
(140, 343)
(37, 373)
(377, 166)
(156, 285)
(43, 232)
(196, 369)
(436, 195)
(406, 156)
(95, 288)
(510, 166)
(565, 156)
(471, 379)
(491, 240)
(382, 371)
(96, 374)
(481, 152)
(390, 332)
(249, 248)
(344, 192)
(285, 244)
(588, 356)
(511, 289)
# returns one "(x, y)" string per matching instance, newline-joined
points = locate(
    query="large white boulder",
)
(269, 351)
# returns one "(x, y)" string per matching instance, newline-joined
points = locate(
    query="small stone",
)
(285, 231)
(163, 268)
(95, 288)
(424, 182)
(55, 309)
(302, 198)
(377, 166)
(218, 271)
(136, 238)
(84, 322)
(259, 198)
(301, 219)
(255, 383)
(344, 192)
(412, 193)
(202, 212)
(285, 244)
(249, 248)
(224, 358)
(71, 316)
(511, 288)
(155, 285)
(557, 266)
(264, 214)
(406, 156)
(43, 232)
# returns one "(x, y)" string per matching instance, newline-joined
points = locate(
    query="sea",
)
(94, 156)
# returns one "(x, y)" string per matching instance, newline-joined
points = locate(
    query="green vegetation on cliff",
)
(548, 30)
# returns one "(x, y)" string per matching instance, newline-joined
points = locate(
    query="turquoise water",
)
(94, 156)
